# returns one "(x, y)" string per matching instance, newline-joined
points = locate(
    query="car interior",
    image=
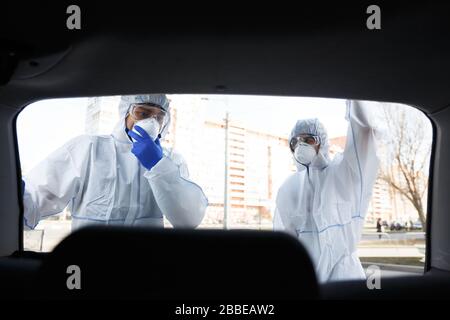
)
(321, 51)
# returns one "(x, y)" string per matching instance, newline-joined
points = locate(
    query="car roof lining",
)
(335, 56)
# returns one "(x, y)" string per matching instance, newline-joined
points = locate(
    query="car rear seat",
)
(134, 263)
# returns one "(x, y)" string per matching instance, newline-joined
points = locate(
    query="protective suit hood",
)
(161, 100)
(313, 127)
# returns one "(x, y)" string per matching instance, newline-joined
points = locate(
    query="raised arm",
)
(359, 165)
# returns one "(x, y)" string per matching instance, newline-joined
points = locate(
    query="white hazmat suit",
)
(104, 183)
(324, 204)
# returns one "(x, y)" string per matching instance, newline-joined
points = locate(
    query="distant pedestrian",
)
(379, 227)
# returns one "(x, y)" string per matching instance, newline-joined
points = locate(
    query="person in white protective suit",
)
(125, 178)
(324, 203)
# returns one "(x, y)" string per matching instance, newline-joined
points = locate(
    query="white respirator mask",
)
(304, 153)
(150, 125)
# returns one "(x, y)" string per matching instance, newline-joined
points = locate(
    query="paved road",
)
(394, 236)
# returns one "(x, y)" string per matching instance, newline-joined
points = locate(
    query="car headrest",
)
(161, 264)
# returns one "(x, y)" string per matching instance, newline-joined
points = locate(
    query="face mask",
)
(304, 153)
(150, 125)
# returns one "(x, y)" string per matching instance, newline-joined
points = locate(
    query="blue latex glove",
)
(148, 152)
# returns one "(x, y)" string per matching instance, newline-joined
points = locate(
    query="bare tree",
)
(407, 150)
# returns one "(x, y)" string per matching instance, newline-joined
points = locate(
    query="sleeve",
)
(50, 186)
(181, 200)
(359, 165)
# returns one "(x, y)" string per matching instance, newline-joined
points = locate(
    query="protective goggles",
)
(304, 138)
(145, 111)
